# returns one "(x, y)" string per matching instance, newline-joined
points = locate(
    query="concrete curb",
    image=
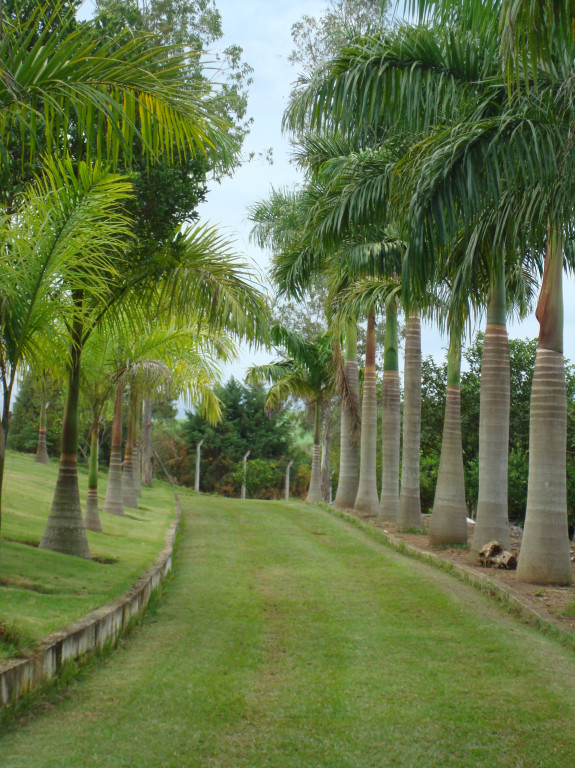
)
(503, 593)
(88, 635)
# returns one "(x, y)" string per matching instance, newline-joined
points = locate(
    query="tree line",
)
(436, 159)
(111, 288)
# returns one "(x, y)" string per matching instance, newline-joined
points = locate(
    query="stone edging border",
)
(508, 597)
(90, 634)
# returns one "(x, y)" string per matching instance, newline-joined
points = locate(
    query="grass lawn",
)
(289, 639)
(42, 591)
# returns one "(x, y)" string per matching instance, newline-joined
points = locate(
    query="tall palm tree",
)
(390, 418)
(367, 499)
(525, 167)
(304, 370)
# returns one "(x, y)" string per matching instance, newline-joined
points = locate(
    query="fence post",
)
(197, 478)
(245, 473)
(287, 479)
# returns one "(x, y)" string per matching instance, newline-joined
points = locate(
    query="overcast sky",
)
(262, 29)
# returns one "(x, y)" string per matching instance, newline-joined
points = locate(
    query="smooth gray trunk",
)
(314, 494)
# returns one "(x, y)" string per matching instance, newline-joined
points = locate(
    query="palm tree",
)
(60, 217)
(367, 499)
(98, 94)
(390, 419)
(304, 370)
(410, 80)
(180, 360)
(194, 276)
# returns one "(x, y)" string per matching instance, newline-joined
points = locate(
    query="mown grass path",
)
(288, 639)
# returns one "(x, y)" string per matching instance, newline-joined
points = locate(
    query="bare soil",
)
(558, 603)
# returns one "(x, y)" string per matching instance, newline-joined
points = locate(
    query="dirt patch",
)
(556, 602)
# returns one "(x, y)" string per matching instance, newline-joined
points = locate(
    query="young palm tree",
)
(304, 370)
(195, 276)
(60, 217)
(180, 360)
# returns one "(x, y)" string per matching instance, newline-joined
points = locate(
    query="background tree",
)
(246, 425)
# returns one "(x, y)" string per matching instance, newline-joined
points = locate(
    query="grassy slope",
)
(288, 638)
(42, 591)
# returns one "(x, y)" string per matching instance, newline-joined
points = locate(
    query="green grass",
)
(42, 591)
(290, 638)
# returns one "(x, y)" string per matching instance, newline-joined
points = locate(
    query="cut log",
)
(493, 555)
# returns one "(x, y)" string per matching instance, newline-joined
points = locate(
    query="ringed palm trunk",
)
(41, 449)
(349, 442)
(391, 420)
(92, 516)
(410, 496)
(114, 503)
(448, 523)
(314, 493)
(65, 530)
(544, 557)
(147, 442)
(492, 520)
(367, 499)
(128, 491)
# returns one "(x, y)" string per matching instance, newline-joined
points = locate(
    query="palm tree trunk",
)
(449, 519)
(4, 427)
(349, 442)
(65, 530)
(92, 516)
(367, 499)
(128, 493)
(41, 449)
(326, 452)
(314, 493)
(410, 497)
(113, 502)
(544, 557)
(137, 468)
(391, 419)
(492, 521)
(147, 465)
(2, 465)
